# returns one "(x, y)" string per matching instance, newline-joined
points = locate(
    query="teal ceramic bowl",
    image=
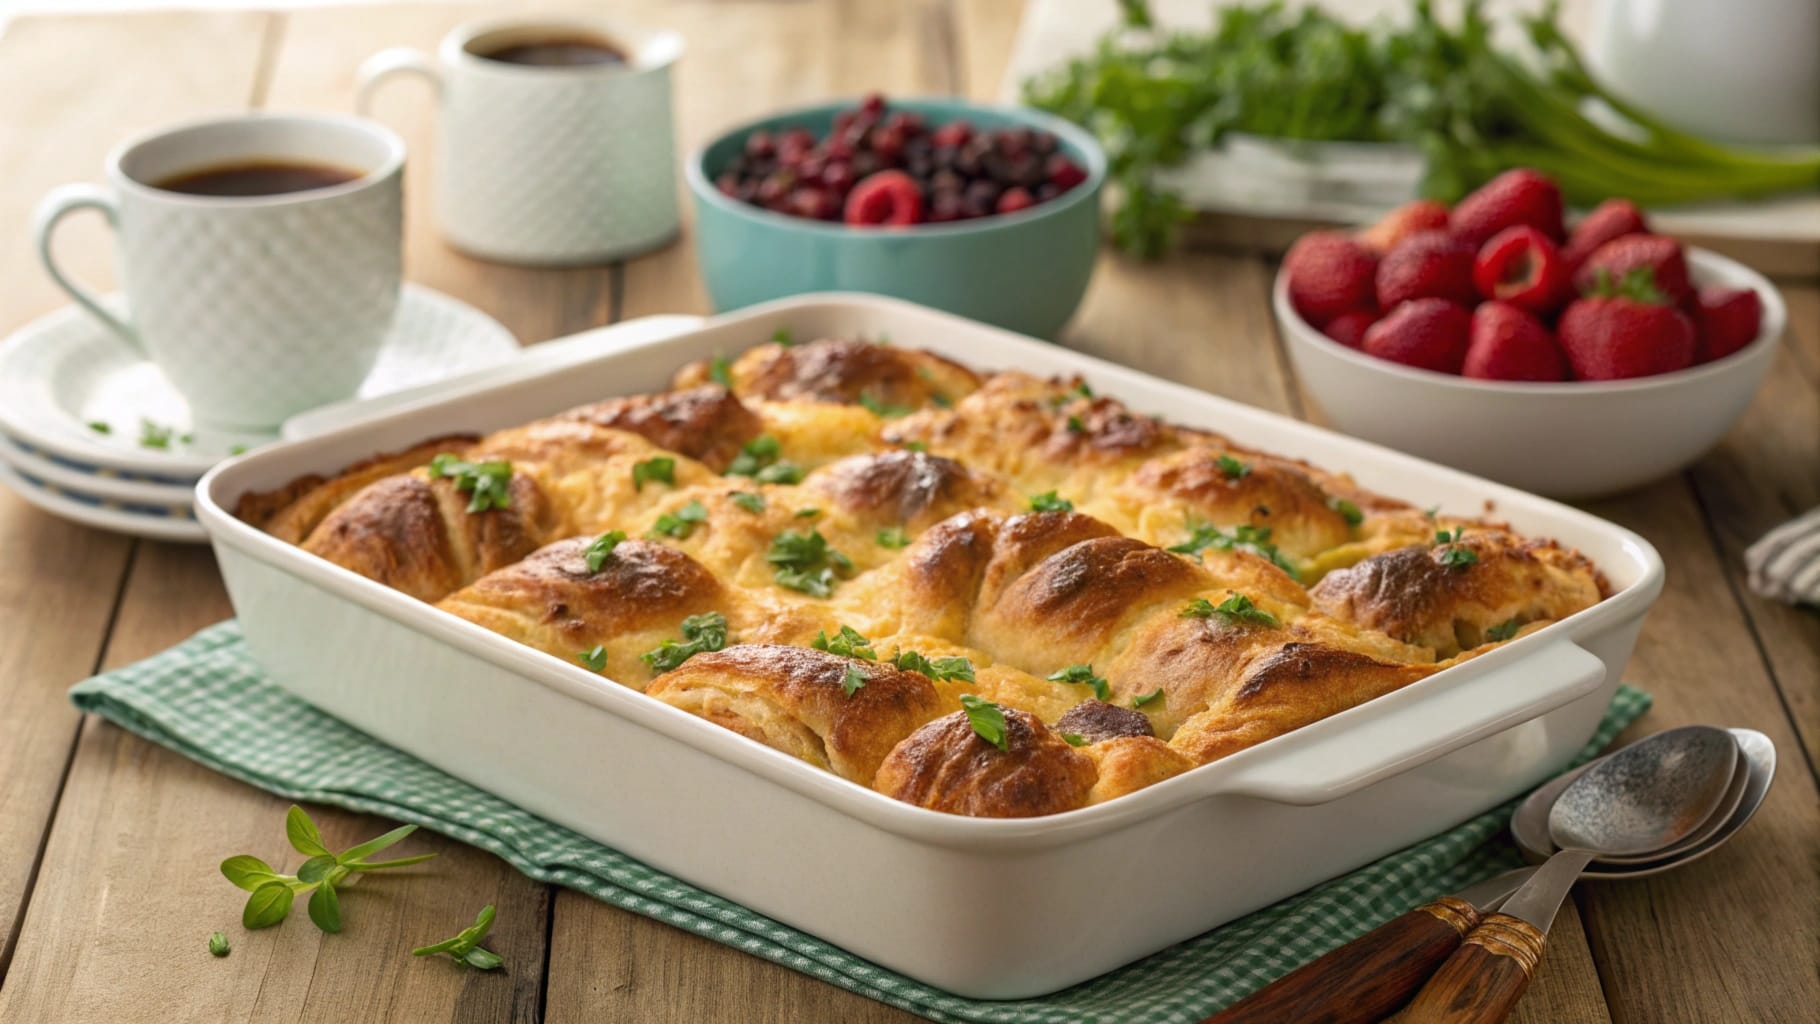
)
(1025, 271)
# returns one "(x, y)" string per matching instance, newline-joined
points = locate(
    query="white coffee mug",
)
(548, 165)
(254, 306)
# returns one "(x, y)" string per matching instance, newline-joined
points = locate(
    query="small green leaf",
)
(848, 643)
(1458, 557)
(1503, 631)
(380, 865)
(782, 336)
(372, 846)
(594, 658)
(853, 680)
(1082, 675)
(1075, 426)
(325, 908)
(1199, 608)
(302, 832)
(100, 427)
(987, 720)
(248, 872)
(1074, 739)
(218, 944)
(1449, 536)
(483, 959)
(780, 473)
(1048, 501)
(1347, 510)
(892, 537)
(267, 906)
(914, 446)
(754, 503)
(1239, 608)
(1145, 698)
(317, 868)
(808, 513)
(936, 668)
(1232, 468)
(444, 946)
(720, 372)
(662, 469)
(601, 548)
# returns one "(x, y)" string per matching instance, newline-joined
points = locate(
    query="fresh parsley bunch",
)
(320, 875)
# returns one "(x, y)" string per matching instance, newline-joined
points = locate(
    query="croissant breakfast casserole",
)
(987, 594)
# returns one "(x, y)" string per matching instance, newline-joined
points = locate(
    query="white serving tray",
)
(985, 908)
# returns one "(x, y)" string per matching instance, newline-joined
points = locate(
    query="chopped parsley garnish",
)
(881, 410)
(1082, 675)
(1075, 426)
(1199, 608)
(853, 680)
(1453, 556)
(1244, 537)
(1347, 510)
(661, 469)
(1048, 501)
(595, 659)
(1083, 390)
(681, 523)
(1503, 630)
(720, 372)
(848, 643)
(805, 562)
(1239, 608)
(915, 446)
(598, 551)
(758, 458)
(892, 537)
(1432, 511)
(488, 482)
(1074, 739)
(782, 336)
(987, 719)
(154, 435)
(100, 426)
(1449, 536)
(749, 500)
(705, 632)
(940, 400)
(1233, 468)
(935, 668)
(808, 513)
(1146, 698)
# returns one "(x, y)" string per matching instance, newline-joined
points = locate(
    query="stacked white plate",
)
(92, 432)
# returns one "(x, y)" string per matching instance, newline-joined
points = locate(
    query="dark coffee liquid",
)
(257, 178)
(559, 52)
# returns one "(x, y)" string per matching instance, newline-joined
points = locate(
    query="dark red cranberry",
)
(1047, 191)
(866, 163)
(775, 189)
(1025, 170)
(728, 183)
(983, 194)
(953, 135)
(888, 143)
(1064, 173)
(759, 144)
(873, 104)
(838, 175)
(1014, 199)
(946, 206)
(812, 202)
(1013, 141)
(838, 149)
(946, 181)
(1042, 143)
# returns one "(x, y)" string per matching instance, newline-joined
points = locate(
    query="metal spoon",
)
(1529, 826)
(1649, 796)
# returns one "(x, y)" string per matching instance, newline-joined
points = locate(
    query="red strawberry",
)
(1614, 218)
(1329, 273)
(1426, 265)
(887, 198)
(1429, 333)
(1518, 196)
(1509, 344)
(1349, 328)
(1660, 254)
(1405, 220)
(1729, 319)
(1627, 329)
(1522, 267)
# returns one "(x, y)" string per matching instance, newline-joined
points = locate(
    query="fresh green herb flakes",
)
(806, 563)
(218, 944)
(681, 523)
(1147, 698)
(595, 658)
(783, 336)
(807, 513)
(1074, 739)
(935, 668)
(1239, 608)
(1232, 468)
(853, 680)
(705, 632)
(1082, 675)
(758, 459)
(848, 643)
(103, 427)
(1199, 608)
(1244, 537)
(750, 501)
(1048, 501)
(1347, 510)
(720, 372)
(465, 947)
(488, 484)
(1075, 426)
(154, 435)
(661, 469)
(883, 411)
(892, 537)
(986, 718)
(601, 548)
(1503, 631)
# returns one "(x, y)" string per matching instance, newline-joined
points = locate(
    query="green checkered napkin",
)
(207, 699)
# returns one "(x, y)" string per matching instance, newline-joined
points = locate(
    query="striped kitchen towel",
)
(1785, 564)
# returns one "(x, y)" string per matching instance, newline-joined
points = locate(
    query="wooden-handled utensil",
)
(1377, 972)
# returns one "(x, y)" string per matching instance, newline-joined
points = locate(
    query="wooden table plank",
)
(61, 580)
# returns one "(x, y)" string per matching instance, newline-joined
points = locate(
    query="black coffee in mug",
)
(257, 178)
(558, 51)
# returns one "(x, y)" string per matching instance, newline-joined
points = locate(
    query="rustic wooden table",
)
(108, 844)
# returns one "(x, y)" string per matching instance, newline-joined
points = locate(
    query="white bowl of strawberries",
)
(1491, 338)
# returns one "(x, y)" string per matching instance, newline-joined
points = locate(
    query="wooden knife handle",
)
(1482, 981)
(1367, 978)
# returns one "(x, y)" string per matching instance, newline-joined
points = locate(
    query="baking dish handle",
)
(1340, 756)
(534, 360)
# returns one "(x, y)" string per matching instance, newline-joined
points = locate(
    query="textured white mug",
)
(255, 307)
(548, 165)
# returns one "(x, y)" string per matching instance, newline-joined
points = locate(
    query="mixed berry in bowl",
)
(879, 167)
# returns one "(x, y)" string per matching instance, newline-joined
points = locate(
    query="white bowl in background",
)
(1574, 439)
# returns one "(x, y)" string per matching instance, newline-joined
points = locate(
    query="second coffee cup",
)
(556, 138)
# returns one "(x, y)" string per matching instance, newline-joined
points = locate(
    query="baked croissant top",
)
(984, 594)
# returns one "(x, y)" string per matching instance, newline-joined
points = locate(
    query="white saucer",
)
(93, 482)
(63, 372)
(156, 522)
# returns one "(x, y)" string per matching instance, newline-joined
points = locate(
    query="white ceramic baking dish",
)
(984, 908)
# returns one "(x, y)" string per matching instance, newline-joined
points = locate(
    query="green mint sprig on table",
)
(487, 483)
(273, 893)
(465, 947)
(218, 944)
